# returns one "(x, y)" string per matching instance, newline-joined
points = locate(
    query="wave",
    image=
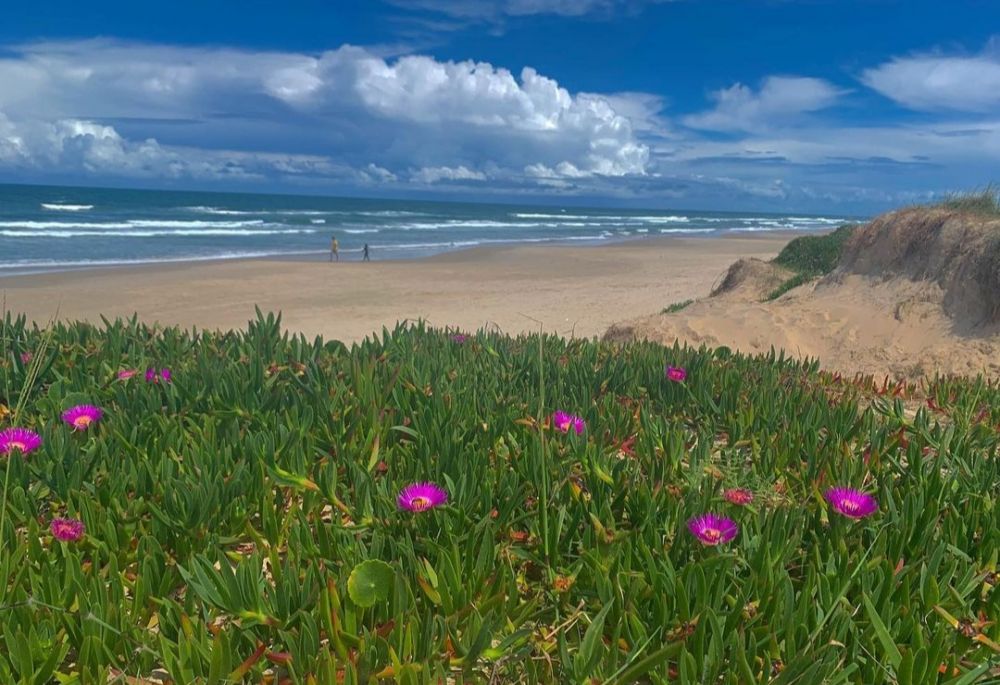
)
(317, 221)
(59, 207)
(558, 216)
(256, 212)
(360, 230)
(53, 264)
(218, 210)
(132, 223)
(8, 233)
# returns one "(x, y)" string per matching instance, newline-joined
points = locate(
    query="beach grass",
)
(248, 516)
(810, 257)
(984, 202)
(677, 306)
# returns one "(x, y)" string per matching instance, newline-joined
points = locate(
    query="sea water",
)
(46, 228)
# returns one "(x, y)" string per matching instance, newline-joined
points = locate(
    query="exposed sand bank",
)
(571, 290)
(915, 294)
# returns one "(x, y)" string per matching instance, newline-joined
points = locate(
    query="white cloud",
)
(939, 82)
(780, 99)
(444, 173)
(495, 9)
(346, 104)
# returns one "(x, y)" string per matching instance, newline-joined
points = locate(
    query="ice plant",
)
(713, 530)
(20, 439)
(676, 374)
(851, 503)
(421, 497)
(740, 496)
(125, 374)
(67, 530)
(154, 376)
(563, 422)
(459, 338)
(81, 416)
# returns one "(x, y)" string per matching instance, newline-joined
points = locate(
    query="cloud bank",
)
(349, 120)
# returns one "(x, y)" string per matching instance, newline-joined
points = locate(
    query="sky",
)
(849, 106)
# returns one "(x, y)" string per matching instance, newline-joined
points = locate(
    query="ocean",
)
(45, 228)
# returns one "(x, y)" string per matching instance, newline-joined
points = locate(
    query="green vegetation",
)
(789, 284)
(242, 521)
(811, 256)
(677, 306)
(985, 201)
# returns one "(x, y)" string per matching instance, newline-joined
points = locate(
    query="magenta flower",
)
(740, 496)
(20, 439)
(81, 416)
(676, 374)
(125, 374)
(154, 376)
(563, 422)
(26, 357)
(420, 497)
(459, 338)
(712, 529)
(67, 530)
(851, 503)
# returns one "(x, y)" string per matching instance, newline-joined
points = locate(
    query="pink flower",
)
(154, 376)
(563, 422)
(676, 374)
(125, 374)
(81, 416)
(851, 503)
(420, 497)
(67, 530)
(740, 496)
(20, 439)
(459, 338)
(26, 357)
(712, 529)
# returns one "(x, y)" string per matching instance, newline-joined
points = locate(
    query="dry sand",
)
(571, 290)
(850, 323)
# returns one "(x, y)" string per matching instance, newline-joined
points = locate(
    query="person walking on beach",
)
(334, 249)
(365, 257)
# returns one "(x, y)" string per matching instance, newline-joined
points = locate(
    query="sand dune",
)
(913, 296)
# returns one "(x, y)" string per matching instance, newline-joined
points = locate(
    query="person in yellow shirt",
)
(334, 249)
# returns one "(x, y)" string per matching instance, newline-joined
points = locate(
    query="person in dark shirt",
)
(365, 257)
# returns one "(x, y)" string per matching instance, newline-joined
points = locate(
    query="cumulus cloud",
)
(940, 82)
(780, 99)
(347, 104)
(445, 173)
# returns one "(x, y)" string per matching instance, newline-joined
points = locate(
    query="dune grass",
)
(985, 201)
(810, 256)
(677, 306)
(242, 522)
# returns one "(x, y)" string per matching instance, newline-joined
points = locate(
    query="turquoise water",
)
(48, 227)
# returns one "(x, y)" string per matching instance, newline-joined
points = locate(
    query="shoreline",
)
(322, 255)
(573, 290)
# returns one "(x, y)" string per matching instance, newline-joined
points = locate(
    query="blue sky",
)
(824, 105)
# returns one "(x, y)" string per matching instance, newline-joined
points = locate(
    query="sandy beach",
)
(570, 290)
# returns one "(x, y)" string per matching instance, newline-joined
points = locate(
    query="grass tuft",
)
(810, 256)
(677, 306)
(985, 201)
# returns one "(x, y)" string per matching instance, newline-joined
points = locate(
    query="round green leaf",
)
(369, 582)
